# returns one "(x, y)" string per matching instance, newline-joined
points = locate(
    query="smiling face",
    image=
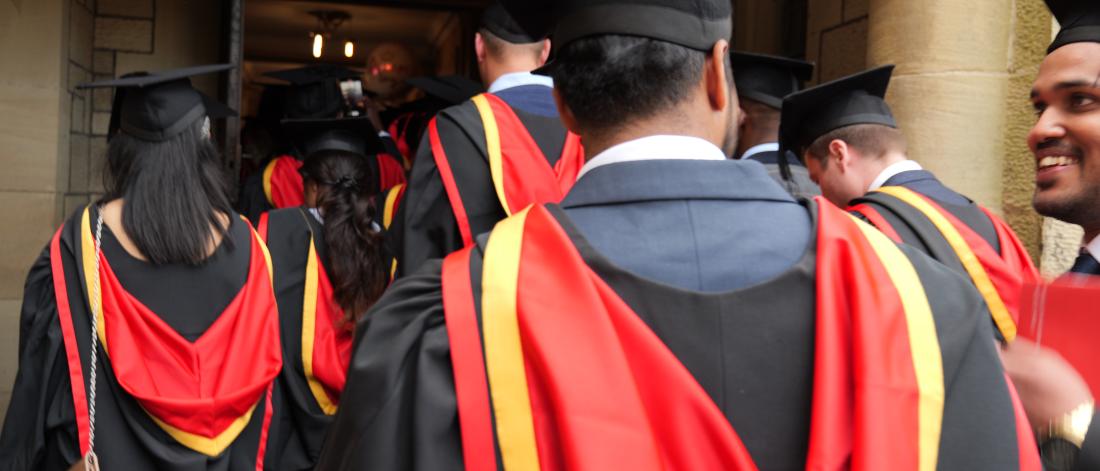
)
(1066, 137)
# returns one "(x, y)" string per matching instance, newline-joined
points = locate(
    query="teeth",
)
(1055, 161)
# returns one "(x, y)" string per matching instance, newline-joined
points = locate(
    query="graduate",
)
(591, 334)
(852, 147)
(493, 155)
(329, 269)
(762, 82)
(150, 336)
(1066, 143)
(314, 93)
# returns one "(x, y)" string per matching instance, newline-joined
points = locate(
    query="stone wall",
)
(836, 37)
(36, 114)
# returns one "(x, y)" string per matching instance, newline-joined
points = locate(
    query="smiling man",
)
(1066, 143)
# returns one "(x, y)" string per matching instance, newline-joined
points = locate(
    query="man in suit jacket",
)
(1066, 143)
(853, 148)
(762, 82)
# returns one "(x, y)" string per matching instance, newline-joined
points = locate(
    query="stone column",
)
(960, 93)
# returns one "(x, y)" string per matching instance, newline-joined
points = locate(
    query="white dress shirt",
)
(760, 148)
(518, 79)
(894, 169)
(660, 147)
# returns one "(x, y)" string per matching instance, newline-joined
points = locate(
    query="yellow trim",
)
(924, 345)
(88, 255)
(393, 269)
(387, 211)
(211, 447)
(309, 328)
(268, 170)
(208, 446)
(973, 266)
(504, 347)
(492, 146)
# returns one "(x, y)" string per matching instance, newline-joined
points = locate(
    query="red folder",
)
(1065, 316)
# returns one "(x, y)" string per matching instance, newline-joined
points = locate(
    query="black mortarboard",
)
(451, 89)
(518, 22)
(1079, 19)
(814, 112)
(158, 106)
(694, 24)
(697, 24)
(315, 90)
(767, 79)
(347, 134)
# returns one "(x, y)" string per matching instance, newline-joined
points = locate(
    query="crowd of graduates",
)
(628, 248)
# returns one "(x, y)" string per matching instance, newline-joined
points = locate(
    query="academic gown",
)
(925, 183)
(40, 431)
(800, 184)
(429, 229)
(288, 233)
(757, 367)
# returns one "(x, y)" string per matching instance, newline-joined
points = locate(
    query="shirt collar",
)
(760, 148)
(661, 147)
(518, 79)
(1093, 247)
(893, 170)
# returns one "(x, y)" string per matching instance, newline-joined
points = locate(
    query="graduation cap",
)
(159, 106)
(852, 100)
(314, 90)
(214, 108)
(451, 89)
(1079, 19)
(697, 24)
(767, 79)
(355, 135)
(517, 22)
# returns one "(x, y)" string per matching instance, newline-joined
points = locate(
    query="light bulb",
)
(349, 49)
(318, 43)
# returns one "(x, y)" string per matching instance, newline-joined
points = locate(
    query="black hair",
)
(609, 80)
(354, 247)
(873, 140)
(175, 194)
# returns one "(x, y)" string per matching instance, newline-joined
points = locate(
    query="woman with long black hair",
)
(149, 333)
(329, 269)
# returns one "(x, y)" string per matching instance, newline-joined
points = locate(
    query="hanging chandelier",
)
(328, 21)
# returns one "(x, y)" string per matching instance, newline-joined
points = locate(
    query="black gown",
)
(40, 431)
(428, 229)
(756, 365)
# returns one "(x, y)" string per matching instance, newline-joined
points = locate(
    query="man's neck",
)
(879, 166)
(495, 71)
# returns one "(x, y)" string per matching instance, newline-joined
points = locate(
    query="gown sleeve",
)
(40, 426)
(399, 410)
(429, 229)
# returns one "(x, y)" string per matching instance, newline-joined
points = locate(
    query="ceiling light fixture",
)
(349, 49)
(327, 23)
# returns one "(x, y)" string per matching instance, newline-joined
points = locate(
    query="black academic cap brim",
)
(451, 89)
(355, 135)
(216, 109)
(766, 78)
(1079, 21)
(315, 73)
(160, 105)
(814, 112)
(155, 78)
(517, 22)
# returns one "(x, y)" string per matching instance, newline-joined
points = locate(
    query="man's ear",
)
(565, 113)
(479, 47)
(718, 89)
(545, 54)
(841, 154)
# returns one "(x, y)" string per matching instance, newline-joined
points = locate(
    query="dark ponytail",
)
(346, 183)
